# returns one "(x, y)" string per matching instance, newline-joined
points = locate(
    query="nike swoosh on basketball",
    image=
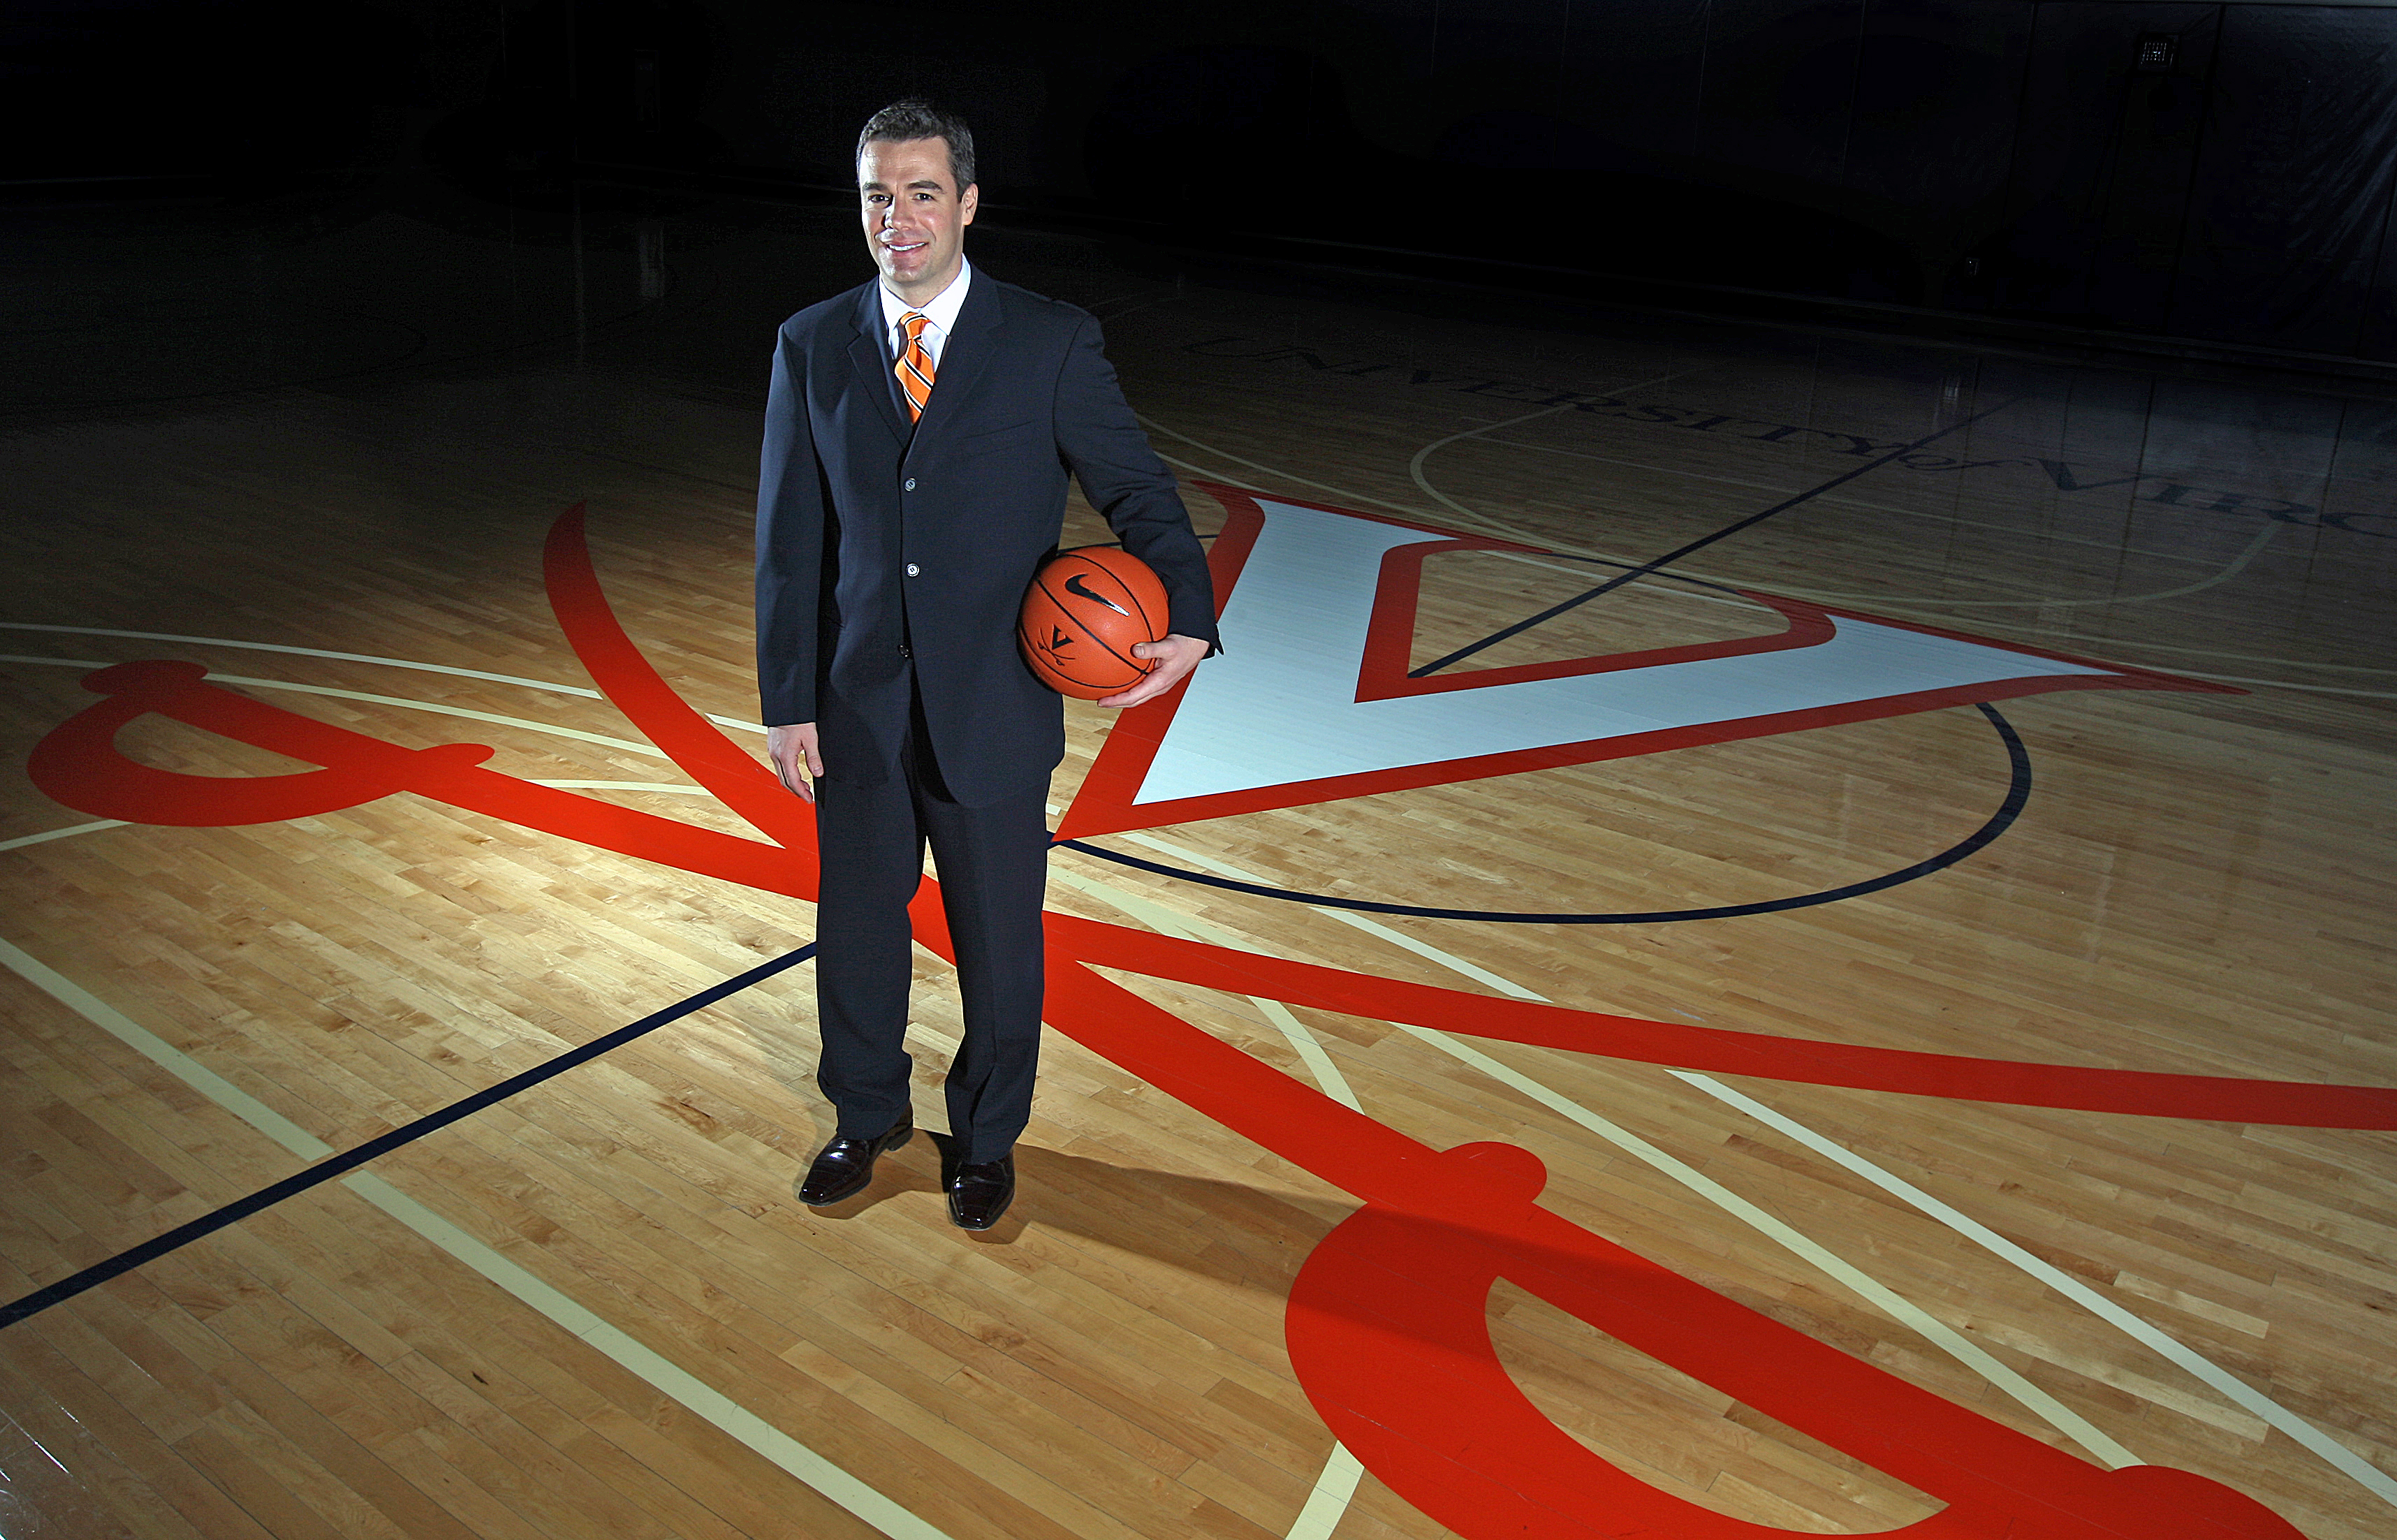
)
(1075, 585)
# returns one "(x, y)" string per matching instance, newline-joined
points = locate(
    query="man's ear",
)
(967, 203)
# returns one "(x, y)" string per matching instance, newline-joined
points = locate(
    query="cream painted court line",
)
(1328, 1500)
(1335, 1484)
(343, 657)
(1302, 1040)
(669, 1378)
(722, 1411)
(527, 724)
(49, 834)
(2369, 1476)
(302, 652)
(624, 745)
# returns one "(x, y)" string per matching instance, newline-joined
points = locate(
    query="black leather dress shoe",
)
(979, 1194)
(843, 1168)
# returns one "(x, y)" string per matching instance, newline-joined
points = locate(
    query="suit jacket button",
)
(913, 570)
(911, 485)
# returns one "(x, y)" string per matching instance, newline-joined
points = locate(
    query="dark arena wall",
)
(2210, 173)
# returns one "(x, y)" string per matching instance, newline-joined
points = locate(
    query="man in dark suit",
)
(917, 438)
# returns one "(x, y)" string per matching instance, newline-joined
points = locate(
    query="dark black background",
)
(1999, 158)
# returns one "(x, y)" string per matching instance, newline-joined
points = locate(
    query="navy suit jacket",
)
(885, 547)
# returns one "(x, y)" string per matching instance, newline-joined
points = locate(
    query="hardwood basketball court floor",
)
(1919, 938)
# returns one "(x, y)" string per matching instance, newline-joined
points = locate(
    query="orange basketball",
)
(1087, 611)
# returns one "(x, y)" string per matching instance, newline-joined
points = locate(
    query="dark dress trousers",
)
(891, 560)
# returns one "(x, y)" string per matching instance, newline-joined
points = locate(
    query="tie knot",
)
(914, 321)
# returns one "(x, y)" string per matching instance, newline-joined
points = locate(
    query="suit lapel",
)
(964, 355)
(873, 377)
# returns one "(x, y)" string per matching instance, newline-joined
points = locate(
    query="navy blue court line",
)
(334, 1165)
(1698, 545)
(2017, 795)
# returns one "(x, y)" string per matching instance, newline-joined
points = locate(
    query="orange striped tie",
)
(915, 366)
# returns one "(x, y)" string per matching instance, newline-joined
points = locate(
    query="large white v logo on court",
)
(1311, 702)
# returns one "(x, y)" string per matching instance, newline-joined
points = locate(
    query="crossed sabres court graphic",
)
(1387, 1321)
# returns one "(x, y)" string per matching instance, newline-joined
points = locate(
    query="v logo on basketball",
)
(1310, 700)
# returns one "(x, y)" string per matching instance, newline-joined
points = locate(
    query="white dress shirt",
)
(942, 311)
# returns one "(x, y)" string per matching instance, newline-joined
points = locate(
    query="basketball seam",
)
(1147, 620)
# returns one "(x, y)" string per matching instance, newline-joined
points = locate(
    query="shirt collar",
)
(943, 307)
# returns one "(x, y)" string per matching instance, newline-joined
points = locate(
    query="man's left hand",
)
(1178, 655)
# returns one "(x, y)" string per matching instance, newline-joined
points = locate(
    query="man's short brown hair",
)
(915, 118)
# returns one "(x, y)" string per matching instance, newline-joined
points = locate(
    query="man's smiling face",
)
(915, 214)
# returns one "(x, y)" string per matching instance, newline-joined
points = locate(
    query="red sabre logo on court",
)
(1387, 1321)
